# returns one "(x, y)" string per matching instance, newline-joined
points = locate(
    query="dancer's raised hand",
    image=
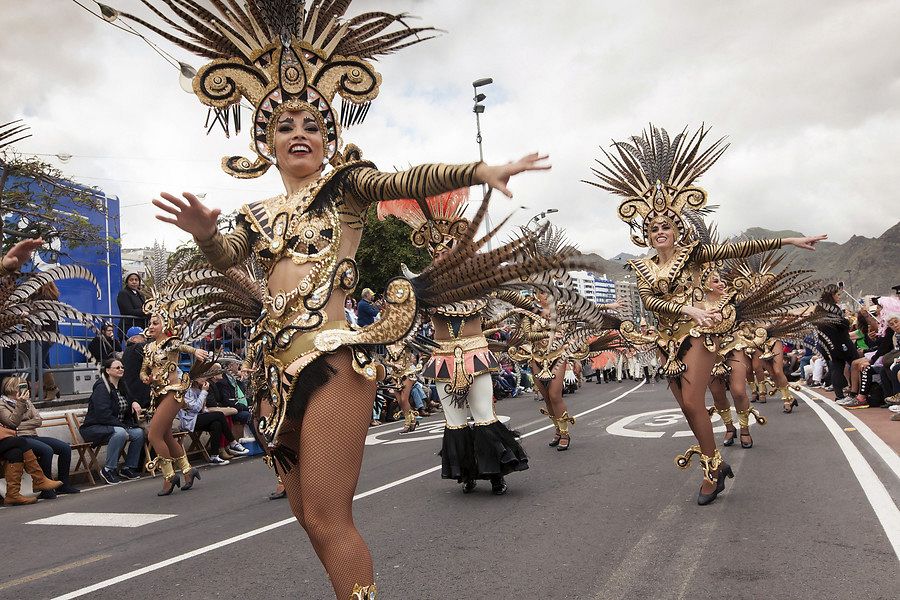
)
(20, 254)
(189, 215)
(806, 243)
(498, 176)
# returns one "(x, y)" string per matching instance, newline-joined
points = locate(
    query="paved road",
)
(812, 514)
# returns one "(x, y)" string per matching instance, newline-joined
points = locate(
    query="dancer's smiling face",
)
(715, 284)
(661, 234)
(155, 327)
(299, 144)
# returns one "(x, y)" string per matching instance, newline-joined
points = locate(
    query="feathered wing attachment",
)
(436, 222)
(280, 55)
(655, 175)
(24, 313)
(466, 273)
(12, 132)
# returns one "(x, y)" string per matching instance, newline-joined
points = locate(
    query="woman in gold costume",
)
(655, 175)
(167, 387)
(291, 60)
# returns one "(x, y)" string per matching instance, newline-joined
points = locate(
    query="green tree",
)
(36, 200)
(384, 245)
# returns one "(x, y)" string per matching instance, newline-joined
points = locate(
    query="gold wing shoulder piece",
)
(25, 311)
(395, 322)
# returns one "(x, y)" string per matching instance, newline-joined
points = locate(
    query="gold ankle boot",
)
(364, 593)
(166, 466)
(189, 472)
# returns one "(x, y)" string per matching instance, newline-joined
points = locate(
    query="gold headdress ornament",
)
(436, 222)
(655, 175)
(282, 55)
(161, 290)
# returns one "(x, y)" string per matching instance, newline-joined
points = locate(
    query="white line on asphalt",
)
(182, 557)
(884, 451)
(877, 495)
(92, 519)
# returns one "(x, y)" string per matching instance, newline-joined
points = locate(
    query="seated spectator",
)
(131, 304)
(17, 412)
(19, 459)
(195, 416)
(887, 346)
(230, 392)
(111, 419)
(132, 359)
(105, 345)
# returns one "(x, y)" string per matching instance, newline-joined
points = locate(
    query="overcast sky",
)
(808, 93)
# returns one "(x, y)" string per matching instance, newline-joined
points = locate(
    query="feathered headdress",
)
(436, 221)
(11, 129)
(281, 55)
(25, 312)
(655, 175)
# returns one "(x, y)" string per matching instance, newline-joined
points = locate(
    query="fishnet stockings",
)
(329, 445)
(552, 390)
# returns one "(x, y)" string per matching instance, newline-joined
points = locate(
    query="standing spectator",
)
(366, 310)
(133, 357)
(131, 304)
(104, 345)
(17, 412)
(110, 418)
(836, 346)
(350, 311)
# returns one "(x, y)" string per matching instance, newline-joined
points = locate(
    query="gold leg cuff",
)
(183, 465)
(708, 464)
(786, 394)
(364, 593)
(166, 466)
(744, 417)
(563, 422)
(725, 413)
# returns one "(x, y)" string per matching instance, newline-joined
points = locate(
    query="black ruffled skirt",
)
(481, 452)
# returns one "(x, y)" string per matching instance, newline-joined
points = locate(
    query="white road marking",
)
(232, 540)
(884, 451)
(661, 418)
(431, 430)
(91, 519)
(887, 512)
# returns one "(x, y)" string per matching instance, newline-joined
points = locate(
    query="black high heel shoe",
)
(724, 471)
(469, 486)
(189, 483)
(498, 485)
(746, 435)
(555, 441)
(789, 407)
(175, 483)
(729, 441)
(564, 442)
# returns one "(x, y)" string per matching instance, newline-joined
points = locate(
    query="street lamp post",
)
(478, 108)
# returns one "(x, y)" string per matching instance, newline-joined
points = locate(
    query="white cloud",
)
(806, 91)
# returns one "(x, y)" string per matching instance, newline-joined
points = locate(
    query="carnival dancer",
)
(402, 369)
(160, 370)
(290, 60)
(655, 175)
(461, 364)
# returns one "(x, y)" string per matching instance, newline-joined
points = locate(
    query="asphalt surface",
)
(807, 516)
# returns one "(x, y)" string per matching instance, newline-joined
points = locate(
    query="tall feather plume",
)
(25, 313)
(9, 132)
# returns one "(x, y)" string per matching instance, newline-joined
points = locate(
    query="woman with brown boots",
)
(19, 460)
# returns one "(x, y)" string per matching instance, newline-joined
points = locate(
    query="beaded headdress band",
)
(655, 174)
(282, 55)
